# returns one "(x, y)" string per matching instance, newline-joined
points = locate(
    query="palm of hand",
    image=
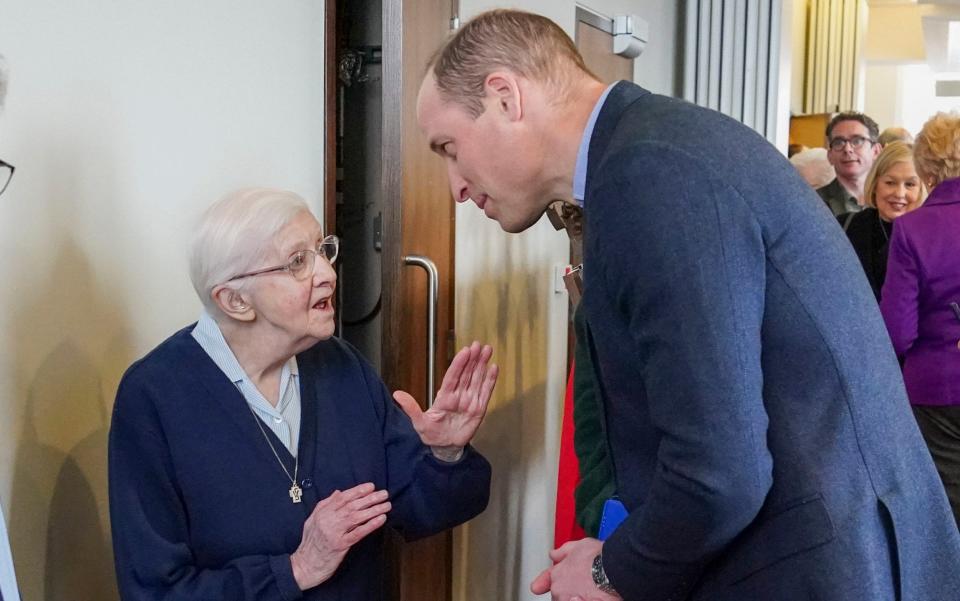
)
(461, 402)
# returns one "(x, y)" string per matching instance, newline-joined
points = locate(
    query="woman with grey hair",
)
(255, 457)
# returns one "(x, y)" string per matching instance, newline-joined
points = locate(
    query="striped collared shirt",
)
(284, 419)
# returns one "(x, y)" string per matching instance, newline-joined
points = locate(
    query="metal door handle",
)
(433, 283)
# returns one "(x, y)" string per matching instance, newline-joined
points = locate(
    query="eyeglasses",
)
(855, 142)
(6, 174)
(303, 262)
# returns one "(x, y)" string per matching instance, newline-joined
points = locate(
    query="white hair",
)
(234, 234)
(4, 79)
(814, 167)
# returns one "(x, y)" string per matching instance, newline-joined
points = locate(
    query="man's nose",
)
(458, 185)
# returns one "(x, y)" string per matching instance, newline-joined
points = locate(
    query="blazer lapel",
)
(618, 100)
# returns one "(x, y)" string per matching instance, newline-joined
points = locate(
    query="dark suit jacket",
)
(838, 199)
(758, 425)
(199, 504)
(870, 237)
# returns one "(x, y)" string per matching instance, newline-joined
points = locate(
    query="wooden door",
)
(595, 42)
(418, 220)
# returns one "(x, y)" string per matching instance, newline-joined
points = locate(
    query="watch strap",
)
(600, 576)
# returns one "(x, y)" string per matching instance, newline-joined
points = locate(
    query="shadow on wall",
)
(506, 308)
(59, 517)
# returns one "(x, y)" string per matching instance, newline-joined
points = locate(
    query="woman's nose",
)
(323, 271)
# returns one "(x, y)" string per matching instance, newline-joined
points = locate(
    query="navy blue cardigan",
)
(199, 505)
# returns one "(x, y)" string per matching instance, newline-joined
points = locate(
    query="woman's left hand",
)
(460, 404)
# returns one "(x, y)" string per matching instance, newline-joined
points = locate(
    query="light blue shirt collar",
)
(208, 335)
(284, 419)
(580, 171)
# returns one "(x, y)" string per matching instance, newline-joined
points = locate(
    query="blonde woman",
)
(921, 295)
(893, 188)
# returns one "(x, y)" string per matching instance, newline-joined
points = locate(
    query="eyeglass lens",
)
(855, 142)
(304, 262)
(329, 248)
(6, 174)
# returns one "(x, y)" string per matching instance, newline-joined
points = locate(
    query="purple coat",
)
(923, 278)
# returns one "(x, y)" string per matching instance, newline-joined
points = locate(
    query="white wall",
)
(124, 120)
(881, 98)
(798, 45)
(505, 296)
(905, 95)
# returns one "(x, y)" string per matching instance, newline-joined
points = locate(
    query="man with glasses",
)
(851, 149)
(6, 174)
(8, 579)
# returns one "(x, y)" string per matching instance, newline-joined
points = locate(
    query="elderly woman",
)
(920, 296)
(892, 189)
(254, 457)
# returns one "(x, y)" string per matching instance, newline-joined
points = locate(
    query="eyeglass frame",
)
(845, 141)
(335, 240)
(3, 163)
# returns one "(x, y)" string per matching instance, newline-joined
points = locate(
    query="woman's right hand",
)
(336, 524)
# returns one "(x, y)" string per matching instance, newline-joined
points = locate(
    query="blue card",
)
(613, 513)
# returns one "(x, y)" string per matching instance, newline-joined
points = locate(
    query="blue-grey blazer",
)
(757, 420)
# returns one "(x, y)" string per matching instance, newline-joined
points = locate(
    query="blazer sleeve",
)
(150, 523)
(427, 495)
(683, 259)
(899, 300)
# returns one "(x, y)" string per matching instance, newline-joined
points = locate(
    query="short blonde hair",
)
(937, 149)
(892, 153)
(895, 134)
(235, 233)
(523, 43)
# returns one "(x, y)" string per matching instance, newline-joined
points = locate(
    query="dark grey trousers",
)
(940, 426)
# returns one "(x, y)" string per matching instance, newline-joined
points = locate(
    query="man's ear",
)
(232, 302)
(504, 88)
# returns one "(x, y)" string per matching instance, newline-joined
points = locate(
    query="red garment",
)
(568, 476)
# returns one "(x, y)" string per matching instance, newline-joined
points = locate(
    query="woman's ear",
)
(232, 302)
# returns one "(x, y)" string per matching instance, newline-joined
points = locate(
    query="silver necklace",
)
(295, 493)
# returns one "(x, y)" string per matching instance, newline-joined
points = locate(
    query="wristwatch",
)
(600, 577)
